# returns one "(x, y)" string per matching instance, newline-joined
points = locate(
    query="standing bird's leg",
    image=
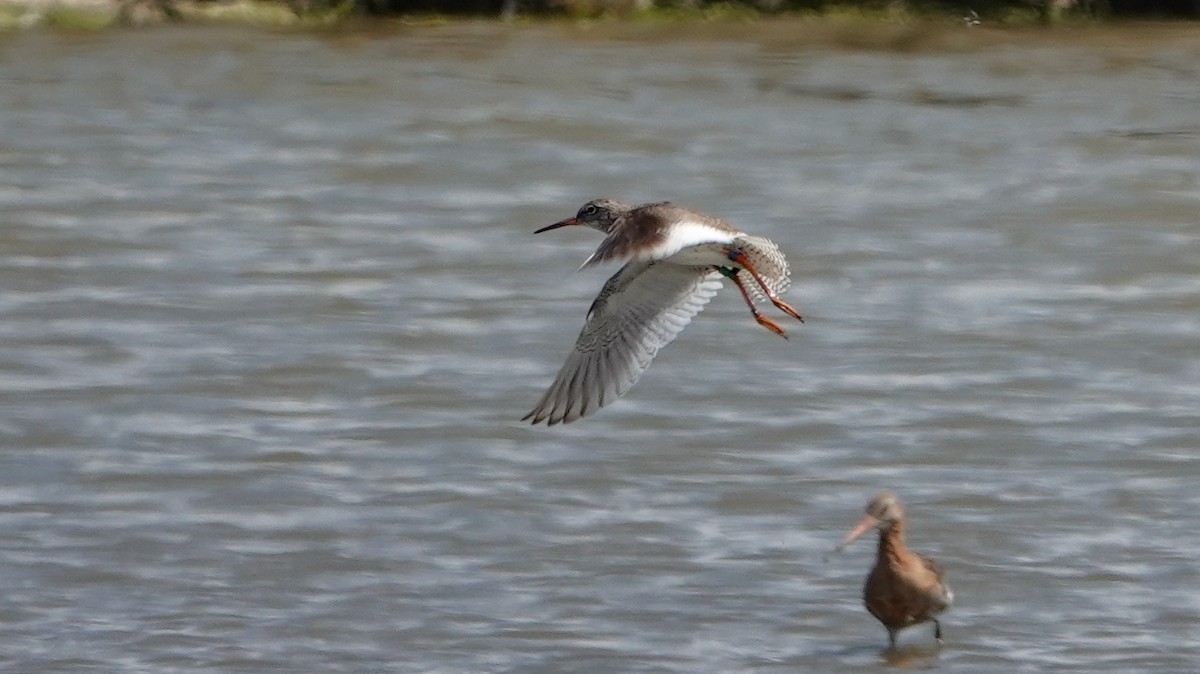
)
(937, 630)
(891, 638)
(740, 258)
(732, 274)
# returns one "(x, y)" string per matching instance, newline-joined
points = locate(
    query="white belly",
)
(693, 243)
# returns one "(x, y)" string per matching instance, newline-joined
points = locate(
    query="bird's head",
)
(599, 214)
(883, 512)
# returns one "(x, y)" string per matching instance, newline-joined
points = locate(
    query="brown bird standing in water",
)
(904, 588)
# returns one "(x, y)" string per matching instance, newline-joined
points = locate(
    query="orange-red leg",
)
(762, 320)
(744, 262)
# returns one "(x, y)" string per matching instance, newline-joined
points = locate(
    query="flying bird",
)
(674, 259)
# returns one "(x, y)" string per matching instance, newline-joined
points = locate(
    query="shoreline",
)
(843, 28)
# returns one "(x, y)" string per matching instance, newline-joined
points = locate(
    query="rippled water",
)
(272, 307)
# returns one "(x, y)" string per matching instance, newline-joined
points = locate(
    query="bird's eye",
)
(590, 209)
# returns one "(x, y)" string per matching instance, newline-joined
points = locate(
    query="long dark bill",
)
(561, 223)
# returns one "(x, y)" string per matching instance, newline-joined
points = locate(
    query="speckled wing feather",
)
(639, 311)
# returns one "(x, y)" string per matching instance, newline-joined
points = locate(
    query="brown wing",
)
(651, 225)
(637, 228)
(942, 589)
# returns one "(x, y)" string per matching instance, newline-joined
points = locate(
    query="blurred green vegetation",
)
(89, 14)
(993, 10)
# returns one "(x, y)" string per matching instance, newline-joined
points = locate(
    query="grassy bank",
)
(893, 25)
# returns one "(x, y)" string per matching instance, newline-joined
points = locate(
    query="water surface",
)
(272, 307)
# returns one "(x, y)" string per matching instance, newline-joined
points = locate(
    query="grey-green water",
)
(270, 308)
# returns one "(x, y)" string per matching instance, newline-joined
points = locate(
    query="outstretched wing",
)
(639, 311)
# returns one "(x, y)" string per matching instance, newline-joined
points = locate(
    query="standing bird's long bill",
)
(560, 223)
(863, 527)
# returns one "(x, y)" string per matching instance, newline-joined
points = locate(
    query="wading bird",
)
(904, 588)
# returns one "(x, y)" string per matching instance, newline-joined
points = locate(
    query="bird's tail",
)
(770, 264)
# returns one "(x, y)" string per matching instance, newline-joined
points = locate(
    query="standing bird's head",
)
(883, 512)
(599, 214)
